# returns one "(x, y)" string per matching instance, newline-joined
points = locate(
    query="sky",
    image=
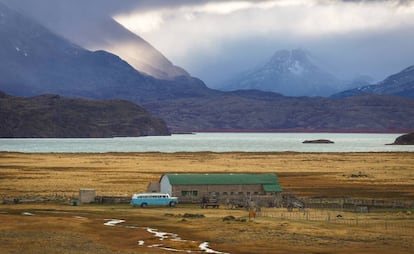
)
(214, 40)
(217, 39)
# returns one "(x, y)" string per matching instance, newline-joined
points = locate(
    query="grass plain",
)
(60, 228)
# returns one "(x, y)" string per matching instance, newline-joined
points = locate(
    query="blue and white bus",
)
(153, 199)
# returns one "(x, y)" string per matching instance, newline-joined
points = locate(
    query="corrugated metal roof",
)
(223, 179)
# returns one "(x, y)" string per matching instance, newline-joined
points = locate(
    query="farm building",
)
(192, 187)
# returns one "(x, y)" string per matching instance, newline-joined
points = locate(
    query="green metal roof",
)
(225, 179)
(272, 188)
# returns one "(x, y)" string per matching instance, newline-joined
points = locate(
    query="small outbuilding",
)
(192, 187)
(87, 196)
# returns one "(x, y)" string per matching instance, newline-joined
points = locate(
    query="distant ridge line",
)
(396, 131)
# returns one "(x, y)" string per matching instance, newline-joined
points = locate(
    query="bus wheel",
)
(143, 205)
(172, 204)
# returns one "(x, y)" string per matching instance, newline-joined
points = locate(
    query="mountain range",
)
(291, 73)
(399, 84)
(37, 61)
(99, 32)
(34, 60)
(297, 73)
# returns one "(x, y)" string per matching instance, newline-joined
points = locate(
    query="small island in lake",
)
(406, 139)
(318, 141)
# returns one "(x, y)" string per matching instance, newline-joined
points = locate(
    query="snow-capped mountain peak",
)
(290, 72)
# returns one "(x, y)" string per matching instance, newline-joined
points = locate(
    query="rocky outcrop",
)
(406, 139)
(53, 116)
(318, 141)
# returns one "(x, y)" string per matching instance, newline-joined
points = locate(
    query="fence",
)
(112, 199)
(402, 222)
(352, 203)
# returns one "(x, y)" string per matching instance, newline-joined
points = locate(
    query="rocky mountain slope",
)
(400, 84)
(240, 112)
(80, 23)
(36, 61)
(289, 72)
(52, 116)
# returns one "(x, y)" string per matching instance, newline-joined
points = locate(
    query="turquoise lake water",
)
(215, 142)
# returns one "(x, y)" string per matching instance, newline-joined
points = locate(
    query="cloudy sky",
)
(214, 40)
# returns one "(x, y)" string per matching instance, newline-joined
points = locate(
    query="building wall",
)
(194, 193)
(154, 187)
(165, 186)
(87, 196)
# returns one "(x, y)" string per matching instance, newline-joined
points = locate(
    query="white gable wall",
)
(165, 185)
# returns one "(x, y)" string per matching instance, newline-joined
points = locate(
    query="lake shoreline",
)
(344, 131)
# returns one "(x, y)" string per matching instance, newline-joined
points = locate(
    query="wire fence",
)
(402, 222)
(352, 203)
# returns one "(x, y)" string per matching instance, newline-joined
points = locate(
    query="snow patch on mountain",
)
(296, 68)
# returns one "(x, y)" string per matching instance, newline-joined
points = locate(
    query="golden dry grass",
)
(389, 175)
(56, 229)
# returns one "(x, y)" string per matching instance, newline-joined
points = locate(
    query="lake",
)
(215, 142)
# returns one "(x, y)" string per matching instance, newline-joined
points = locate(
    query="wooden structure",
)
(207, 202)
